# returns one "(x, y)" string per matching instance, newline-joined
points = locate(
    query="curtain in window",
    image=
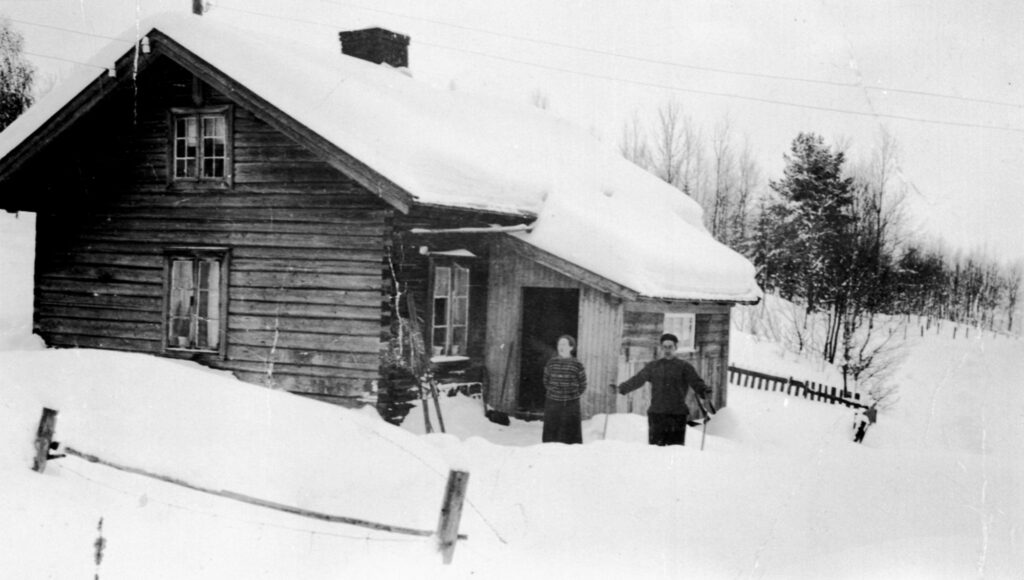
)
(451, 309)
(194, 304)
(180, 307)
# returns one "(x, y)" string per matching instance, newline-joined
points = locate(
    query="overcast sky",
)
(945, 78)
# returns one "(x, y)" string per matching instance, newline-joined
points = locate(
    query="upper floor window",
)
(196, 300)
(450, 316)
(201, 144)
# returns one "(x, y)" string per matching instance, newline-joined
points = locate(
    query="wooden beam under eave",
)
(281, 121)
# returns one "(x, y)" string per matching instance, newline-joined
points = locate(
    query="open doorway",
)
(547, 314)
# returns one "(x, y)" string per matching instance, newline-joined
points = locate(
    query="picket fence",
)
(790, 386)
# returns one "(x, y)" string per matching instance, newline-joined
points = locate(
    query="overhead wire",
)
(52, 57)
(648, 60)
(663, 86)
(71, 30)
(732, 95)
(565, 70)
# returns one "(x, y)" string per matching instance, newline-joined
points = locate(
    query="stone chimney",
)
(376, 45)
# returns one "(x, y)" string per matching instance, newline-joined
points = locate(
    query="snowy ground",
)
(780, 491)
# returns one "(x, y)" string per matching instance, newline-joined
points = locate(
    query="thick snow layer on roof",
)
(451, 149)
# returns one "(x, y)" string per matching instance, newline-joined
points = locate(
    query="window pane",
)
(459, 339)
(440, 311)
(461, 281)
(209, 331)
(214, 146)
(440, 337)
(460, 310)
(442, 276)
(185, 147)
(180, 306)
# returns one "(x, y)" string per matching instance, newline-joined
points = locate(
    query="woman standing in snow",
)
(564, 383)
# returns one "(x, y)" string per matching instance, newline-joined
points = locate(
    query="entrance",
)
(547, 314)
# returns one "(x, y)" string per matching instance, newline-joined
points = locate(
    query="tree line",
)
(828, 234)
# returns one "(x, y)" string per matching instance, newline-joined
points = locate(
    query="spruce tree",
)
(814, 204)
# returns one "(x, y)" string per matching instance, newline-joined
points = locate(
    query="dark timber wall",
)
(305, 242)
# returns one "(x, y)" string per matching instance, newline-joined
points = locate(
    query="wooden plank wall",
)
(305, 243)
(643, 325)
(600, 329)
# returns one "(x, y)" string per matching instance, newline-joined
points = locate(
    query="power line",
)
(856, 85)
(50, 56)
(62, 29)
(594, 76)
(729, 95)
(663, 86)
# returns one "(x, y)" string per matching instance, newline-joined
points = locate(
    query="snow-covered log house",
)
(226, 196)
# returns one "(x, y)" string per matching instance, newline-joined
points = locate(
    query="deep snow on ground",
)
(779, 490)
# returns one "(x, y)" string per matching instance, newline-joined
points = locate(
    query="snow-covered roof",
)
(451, 149)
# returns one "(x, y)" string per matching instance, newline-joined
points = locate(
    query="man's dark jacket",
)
(670, 380)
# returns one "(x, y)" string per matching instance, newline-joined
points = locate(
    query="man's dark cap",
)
(668, 336)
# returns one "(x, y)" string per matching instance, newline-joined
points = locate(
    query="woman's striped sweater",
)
(564, 379)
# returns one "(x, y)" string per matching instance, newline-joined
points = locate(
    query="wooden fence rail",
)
(447, 533)
(790, 386)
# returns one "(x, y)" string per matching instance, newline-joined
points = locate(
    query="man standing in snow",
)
(670, 379)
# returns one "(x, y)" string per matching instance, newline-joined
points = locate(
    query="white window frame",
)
(216, 292)
(202, 149)
(451, 315)
(684, 326)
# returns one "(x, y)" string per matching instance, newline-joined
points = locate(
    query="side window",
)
(201, 144)
(683, 325)
(450, 318)
(196, 300)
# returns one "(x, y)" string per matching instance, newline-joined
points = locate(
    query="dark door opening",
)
(547, 314)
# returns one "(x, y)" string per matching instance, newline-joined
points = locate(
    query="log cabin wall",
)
(304, 243)
(599, 329)
(644, 324)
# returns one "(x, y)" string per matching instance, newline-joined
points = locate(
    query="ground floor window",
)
(450, 316)
(196, 300)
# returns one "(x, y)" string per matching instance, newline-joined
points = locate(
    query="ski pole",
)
(704, 427)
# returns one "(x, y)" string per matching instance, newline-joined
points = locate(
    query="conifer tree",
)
(815, 199)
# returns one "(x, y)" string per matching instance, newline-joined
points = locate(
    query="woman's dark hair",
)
(572, 342)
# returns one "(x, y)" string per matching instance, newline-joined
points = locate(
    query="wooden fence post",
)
(44, 436)
(451, 513)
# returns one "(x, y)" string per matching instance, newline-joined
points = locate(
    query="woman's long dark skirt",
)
(562, 422)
